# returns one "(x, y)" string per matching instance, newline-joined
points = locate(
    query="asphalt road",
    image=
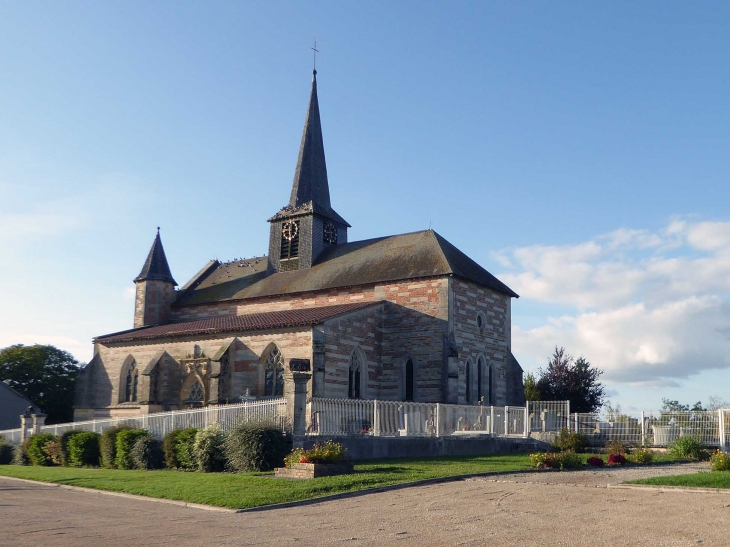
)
(576, 508)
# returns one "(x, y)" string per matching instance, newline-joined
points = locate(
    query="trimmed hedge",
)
(168, 449)
(36, 448)
(184, 449)
(125, 442)
(208, 449)
(147, 453)
(108, 446)
(255, 447)
(82, 449)
(65, 436)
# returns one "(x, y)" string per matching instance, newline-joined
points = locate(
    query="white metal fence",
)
(409, 419)
(711, 427)
(159, 424)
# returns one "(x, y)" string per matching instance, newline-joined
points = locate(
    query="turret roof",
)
(156, 267)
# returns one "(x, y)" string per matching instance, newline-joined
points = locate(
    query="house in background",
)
(12, 405)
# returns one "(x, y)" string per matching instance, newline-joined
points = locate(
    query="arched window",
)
(357, 375)
(196, 392)
(468, 381)
(274, 373)
(130, 386)
(409, 380)
(480, 378)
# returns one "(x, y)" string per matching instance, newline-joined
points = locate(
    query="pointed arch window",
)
(480, 378)
(357, 374)
(274, 373)
(468, 381)
(409, 377)
(130, 388)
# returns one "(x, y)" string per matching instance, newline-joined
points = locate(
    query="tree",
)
(44, 374)
(574, 380)
(532, 393)
(716, 403)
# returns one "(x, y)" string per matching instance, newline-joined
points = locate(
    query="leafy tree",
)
(532, 393)
(44, 374)
(572, 379)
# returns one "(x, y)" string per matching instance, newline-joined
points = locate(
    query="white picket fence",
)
(228, 416)
(409, 419)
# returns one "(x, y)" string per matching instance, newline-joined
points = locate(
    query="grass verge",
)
(242, 491)
(711, 479)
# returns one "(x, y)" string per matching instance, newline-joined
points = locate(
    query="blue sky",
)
(579, 151)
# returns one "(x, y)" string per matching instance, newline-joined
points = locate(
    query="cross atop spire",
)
(315, 57)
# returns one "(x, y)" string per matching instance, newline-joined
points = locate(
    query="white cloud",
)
(130, 293)
(649, 308)
(81, 350)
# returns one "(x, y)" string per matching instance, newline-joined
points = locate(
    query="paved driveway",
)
(577, 508)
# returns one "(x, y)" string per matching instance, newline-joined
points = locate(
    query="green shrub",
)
(184, 446)
(6, 453)
(329, 452)
(35, 448)
(147, 453)
(168, 449)
(615, 447)
(556, 460)
(568, 441)
(720, 461)
(255, 447)
(20, 456)
(125, 441)
(208, 449)
(687, 447)
(642, 456)
(82, 449)
(108, 445)
(53, 451)
(65, 436)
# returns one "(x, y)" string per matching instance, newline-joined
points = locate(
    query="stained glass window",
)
(196, 392)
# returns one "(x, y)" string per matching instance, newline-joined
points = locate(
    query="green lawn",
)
(711, 479)
(241, 491)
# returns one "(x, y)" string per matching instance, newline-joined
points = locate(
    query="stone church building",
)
(403, 317)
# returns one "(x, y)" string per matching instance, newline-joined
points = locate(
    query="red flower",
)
(304, 460)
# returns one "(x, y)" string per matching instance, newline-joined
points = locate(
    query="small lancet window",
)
(274, 374)
(468, 381)
(355, 375)
(130, 391)
(409, 380)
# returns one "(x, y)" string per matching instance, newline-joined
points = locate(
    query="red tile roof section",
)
(236, 323)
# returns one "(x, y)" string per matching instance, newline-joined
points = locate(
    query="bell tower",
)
(308, 224)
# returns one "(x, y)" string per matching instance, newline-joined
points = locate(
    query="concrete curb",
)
(668, 488)
(124, 495)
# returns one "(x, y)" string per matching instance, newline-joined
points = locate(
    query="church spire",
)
(156, 267)
(310, 177)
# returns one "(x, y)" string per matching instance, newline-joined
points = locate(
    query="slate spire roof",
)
(155, 267)
(310, 191)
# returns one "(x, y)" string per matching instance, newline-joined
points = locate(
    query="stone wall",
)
(490, 341)
(245, 355)
(153, 300)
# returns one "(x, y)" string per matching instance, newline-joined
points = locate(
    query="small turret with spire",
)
(308, 224)
(155, 288)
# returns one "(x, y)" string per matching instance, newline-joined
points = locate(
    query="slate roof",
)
(237, 323)
(310, 191)
(394, 258)
(156, 267)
